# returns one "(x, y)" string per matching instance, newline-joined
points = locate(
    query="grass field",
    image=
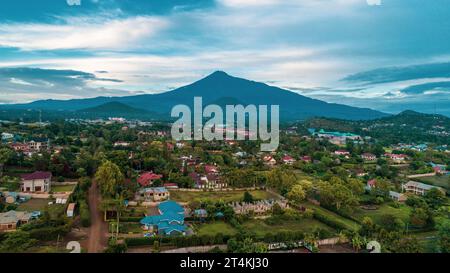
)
(440, 181)
(260, 228)
(214, 228)
(349, 224)
(229, 196)
(33, 205)
(402, 213)
(63, 188)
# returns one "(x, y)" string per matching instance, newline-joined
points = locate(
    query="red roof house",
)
(147, 179)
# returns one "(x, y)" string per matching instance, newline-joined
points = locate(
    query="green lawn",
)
(33, 205)
(63, 188)
(229, 196)
(214, 228)
(440, 181)
(260, 228)
(402, 212)
(349, 224)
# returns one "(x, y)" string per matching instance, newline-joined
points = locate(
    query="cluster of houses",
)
(11, 220)
(411, 187)
(258, 207)
(337, 138)
(29, 148)
(211, 178)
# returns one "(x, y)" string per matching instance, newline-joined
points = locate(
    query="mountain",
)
(219, 87)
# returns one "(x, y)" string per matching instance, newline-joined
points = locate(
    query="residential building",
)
(169, 220)
(37, 182)
(418, 188)
(396, 196)
(11, 220)
(147, 179)
(369, 157)
(157, 194)
(288, 160)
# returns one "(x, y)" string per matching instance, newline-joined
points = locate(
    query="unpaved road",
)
(97, 239)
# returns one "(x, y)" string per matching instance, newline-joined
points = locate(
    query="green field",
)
(33, 205)
(229, 196)
(349, 224)
(63, 188)
(440, 181)
(260, 228)
(215, 228)
(402, 213)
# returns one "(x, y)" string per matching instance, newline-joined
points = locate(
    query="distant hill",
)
(113, 108)
(219, 87)
(408, 126)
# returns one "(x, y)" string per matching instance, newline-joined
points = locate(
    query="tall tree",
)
(109, 178)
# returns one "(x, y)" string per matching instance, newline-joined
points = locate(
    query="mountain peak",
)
(219, 74)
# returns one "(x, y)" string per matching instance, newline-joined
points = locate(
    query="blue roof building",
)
(170, 220)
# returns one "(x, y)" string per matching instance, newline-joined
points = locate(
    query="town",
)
(118, 185)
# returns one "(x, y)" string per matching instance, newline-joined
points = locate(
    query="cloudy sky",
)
(390, 55)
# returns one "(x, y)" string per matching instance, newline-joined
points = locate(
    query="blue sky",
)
(391, 56)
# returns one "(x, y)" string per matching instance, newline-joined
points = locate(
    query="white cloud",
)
(82, 33)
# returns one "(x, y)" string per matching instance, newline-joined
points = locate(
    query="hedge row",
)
(330, 221)
(85, 215)
(49, 233)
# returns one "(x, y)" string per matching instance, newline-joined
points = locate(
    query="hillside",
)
(408, 126)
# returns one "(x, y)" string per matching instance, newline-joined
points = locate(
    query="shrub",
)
(85, 215)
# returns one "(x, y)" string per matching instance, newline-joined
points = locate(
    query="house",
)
(337, 138)
(157, 194)
(122, 144)
(288, 160)
(369, 157)
(398, 158)
(147, 179)
(200, 213)
(372, 183)
(6, 137)
(170, 186)
(39, 144)
(306, 159)
(269, 161)
(11, 220)
(342, 152)
(209, 181)
(168, 222)
(71, 210)
(396, 196)
(439, 168)
(38, 182)
(418, 188)
(211, 169)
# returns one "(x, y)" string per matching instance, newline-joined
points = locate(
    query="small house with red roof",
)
(288, 160)
(369, 157)
(269, 160)
(147, 179)
(342, 152)
(372, 183)
(306, 158)
(38, 182)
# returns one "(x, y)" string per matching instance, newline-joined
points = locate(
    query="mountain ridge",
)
(216, 87)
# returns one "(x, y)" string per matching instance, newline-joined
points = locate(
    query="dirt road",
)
(98, 231)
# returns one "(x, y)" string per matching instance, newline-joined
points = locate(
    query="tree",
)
(109, 178)
(444, 236)
(391, 222)
(367, 227)
(419, 217)
(435, 198)
(406, 245)
(15, 242)
(248, 197)
(5, 155)
(297, 194)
